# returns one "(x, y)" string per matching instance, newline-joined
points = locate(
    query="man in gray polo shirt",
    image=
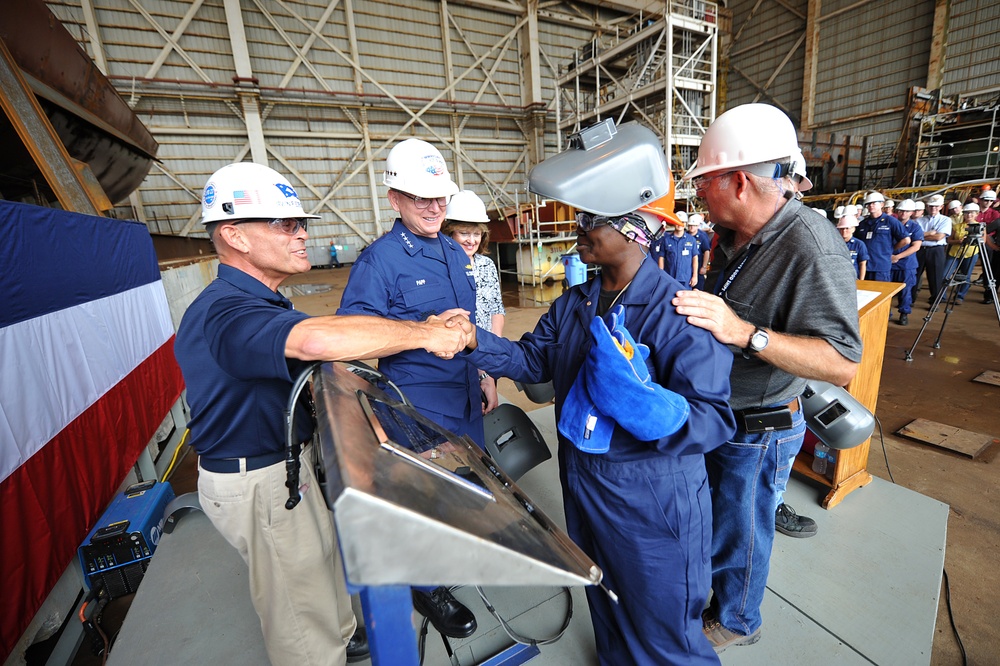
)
(781, 295)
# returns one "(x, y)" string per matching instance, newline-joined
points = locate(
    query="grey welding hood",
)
(607, 170)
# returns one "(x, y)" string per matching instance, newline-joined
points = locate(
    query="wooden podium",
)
(850, 471)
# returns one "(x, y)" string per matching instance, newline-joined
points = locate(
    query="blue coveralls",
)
(880, 234)
(677, 254)
(905, 270)
(642, 511)
(395, 277)
(859, 253)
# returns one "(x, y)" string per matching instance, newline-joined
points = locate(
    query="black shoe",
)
(903, 319)
(790, 523)
(989, 302)
(357, 647)
(448, 616)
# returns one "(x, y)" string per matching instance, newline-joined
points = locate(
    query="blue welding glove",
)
(619, 382)
(581, 422)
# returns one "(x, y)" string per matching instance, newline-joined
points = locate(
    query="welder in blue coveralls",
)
(641, 395)
(410, 273)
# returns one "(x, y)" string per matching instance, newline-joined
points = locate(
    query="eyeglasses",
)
(286, 225)
(468, 235)
(589, 221)
(422, 204)
(701, 183)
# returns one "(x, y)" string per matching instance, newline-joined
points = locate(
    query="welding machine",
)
(116, 553)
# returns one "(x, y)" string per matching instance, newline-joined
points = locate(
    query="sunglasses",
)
(421, 203)
(589, 221)
(286, 225)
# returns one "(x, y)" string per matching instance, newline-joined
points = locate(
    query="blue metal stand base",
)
(388, 612)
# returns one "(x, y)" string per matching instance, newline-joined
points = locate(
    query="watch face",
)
(759, 340)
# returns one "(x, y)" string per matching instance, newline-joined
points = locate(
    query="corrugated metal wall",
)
(173, 61)
(870, 55)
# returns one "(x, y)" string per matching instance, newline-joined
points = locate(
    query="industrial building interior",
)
(121, 109)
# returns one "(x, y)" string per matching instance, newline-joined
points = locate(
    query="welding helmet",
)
(748, 135)
(249, 191)
(416, 167)
(606, 170)
(466, 206)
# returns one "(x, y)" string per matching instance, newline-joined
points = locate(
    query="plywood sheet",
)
(966, 442)
(988, 377)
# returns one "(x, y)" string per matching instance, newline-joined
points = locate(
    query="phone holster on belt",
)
(763, 420)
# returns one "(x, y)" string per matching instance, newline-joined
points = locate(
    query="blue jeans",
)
(747, 476)
(965, 267)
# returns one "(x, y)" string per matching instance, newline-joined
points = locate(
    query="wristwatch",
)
(757, 343)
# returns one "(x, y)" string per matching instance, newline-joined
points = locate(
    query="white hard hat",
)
(905, 205)
(682, 216)
(821, 212)
(889, 203)
(851, 209)
(873, 197)
(848, 222)
(954, 203)
(919, 205)
(696, 218)
(466, 206)
(936, 200)
(416, 167)
(799, 169)
(247, 191)
(746, 135)
(988, 195)
(838, 212)
(970, 208)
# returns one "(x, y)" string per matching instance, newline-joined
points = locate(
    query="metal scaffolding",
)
(958, 146)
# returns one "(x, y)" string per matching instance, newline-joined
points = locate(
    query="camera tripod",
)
(949, 292)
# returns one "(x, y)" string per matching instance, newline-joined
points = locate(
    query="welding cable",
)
(526, 640)
(293, 448)
(176, 456)
(91, 596)
(885, 455)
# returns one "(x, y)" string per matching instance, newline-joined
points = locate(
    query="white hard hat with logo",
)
(248, 191)
(682, 216)
(416, 167)
(747, 135)
(466, 206)
(874, 197)
(936, 200)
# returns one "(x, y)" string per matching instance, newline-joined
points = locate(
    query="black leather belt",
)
(232, 465)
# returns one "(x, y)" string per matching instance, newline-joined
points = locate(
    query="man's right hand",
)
(445, 338)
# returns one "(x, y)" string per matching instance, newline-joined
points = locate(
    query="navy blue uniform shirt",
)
(880, 234)
(231, 350)
(916, 233)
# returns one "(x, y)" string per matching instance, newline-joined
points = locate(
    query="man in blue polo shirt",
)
(882, 234)
(240, 346)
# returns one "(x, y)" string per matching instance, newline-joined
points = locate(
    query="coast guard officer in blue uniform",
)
(410, 273)
(641, 507)
(904, 260)
(678, 254)
(881, 234)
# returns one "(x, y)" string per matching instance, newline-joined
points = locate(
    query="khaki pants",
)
(296, 574)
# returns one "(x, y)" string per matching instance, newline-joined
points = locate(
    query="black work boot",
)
(357, 647)
(448, 616)
(790, 523)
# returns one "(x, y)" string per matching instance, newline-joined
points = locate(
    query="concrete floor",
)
(935, 385)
